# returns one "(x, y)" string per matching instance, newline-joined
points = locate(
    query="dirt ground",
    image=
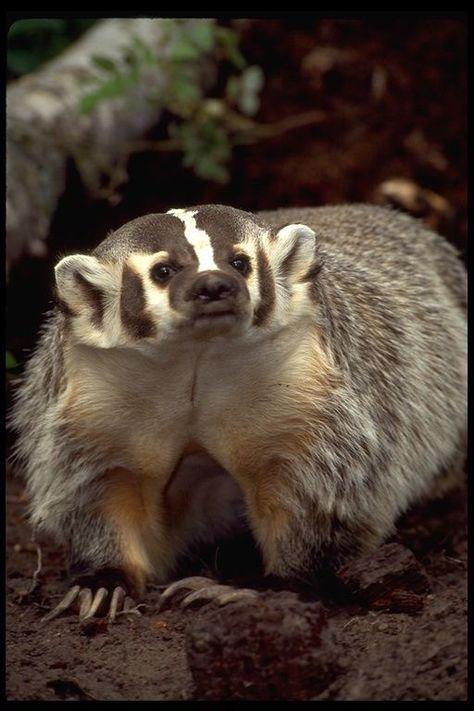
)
(384, 655)
(395, 102)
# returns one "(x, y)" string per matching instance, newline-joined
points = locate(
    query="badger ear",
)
(82, 283)
(296, 249)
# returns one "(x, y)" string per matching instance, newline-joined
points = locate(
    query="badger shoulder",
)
(382, 241)
(45, 371)
(44, 376)
(390, 293)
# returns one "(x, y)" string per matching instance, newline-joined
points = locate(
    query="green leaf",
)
(183, 90)
(134, 64)
(206, 149)
(183, 50)
(113, 88)
(88, 102)
(105, 63)
(229, 41)
(201, 33)
(143, 50)
(10, 361)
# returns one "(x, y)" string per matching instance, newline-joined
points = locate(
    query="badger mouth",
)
(214, 311)
(214, 318)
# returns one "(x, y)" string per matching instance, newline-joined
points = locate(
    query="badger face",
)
(200, 273)
(198, 286)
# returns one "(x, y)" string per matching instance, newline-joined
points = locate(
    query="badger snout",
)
(213, 287)
(216, 300)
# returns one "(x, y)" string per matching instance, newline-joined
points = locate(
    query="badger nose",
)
(213, 286)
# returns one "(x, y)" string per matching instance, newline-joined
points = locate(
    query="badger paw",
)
(101, 593)
(91, 604)
(198, 591)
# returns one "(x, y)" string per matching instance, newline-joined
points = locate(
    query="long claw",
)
(116, 603)
(199, 590)
(92, 604)
(183, 586)
(96, 603)
(65, 603)
(85, 603)
(236, 595)
(211, 592)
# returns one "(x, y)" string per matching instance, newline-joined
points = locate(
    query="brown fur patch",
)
(147, 234)
(94, 296)
(287, 264)
(125, 506)
(271, 528)
(267, 289)
(132, 306)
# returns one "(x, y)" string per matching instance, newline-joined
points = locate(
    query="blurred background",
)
(111, 119)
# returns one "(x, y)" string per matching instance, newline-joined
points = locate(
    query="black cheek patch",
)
(94, 297)
(132, 306)
(267, 289)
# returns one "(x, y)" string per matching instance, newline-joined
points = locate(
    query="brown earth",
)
(393, 92)
(417, 654)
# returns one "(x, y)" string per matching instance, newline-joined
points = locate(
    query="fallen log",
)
(46, 127)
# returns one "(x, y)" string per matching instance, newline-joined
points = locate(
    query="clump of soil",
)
(271, 648)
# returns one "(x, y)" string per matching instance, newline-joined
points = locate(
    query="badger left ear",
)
(296, 248)
(82, 283)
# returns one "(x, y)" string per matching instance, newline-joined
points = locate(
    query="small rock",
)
(390, 578)
(274, 647)
(400, 601)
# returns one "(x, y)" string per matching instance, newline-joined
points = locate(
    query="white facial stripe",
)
(161, 256)
(198, 239)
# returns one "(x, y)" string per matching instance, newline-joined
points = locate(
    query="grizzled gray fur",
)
(305, 366)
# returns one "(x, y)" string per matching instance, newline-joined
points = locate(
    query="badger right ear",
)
(82, 283)
(295, 249)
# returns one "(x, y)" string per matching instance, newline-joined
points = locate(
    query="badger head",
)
(200, 273)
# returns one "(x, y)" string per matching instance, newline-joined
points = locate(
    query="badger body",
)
(302, 370)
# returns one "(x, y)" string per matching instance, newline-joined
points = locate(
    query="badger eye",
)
(241, 263)
(162, 273)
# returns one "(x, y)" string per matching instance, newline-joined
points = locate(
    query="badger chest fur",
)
(303, 368)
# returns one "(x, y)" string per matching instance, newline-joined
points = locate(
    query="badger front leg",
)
(297, 534)
(305, 522)
(119, 542)
(282, 520)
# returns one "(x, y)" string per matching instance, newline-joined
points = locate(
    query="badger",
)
(302, 370)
